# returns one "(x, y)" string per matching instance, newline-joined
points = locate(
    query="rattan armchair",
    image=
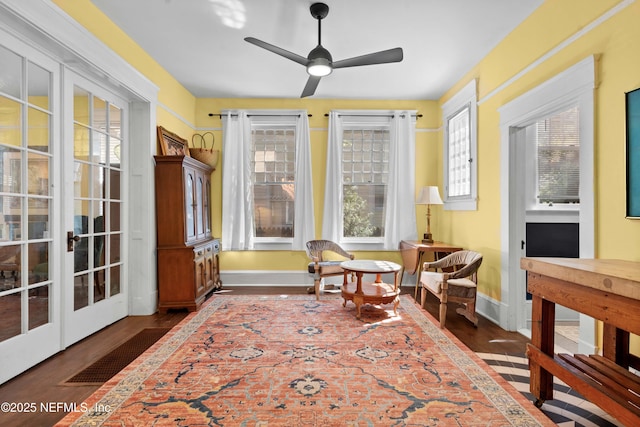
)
(321, 268)
(456, 281)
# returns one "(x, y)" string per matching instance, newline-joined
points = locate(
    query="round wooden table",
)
(376, 292)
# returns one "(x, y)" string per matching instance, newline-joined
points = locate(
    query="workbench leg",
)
(543, 317)
(615, 345)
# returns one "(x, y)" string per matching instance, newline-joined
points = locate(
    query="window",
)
(459, 155)
(557, 142)
(365, 170)
(370, 179)
(274, 176)
(266, 182)
(460, 150)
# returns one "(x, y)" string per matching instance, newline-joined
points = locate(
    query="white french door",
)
(29, 193)
(64, 160)
(94, 146)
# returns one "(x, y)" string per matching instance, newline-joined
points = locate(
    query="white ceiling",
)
(201, 43)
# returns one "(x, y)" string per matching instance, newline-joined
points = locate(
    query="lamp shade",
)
(429, 196)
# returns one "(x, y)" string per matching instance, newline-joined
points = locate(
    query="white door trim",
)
(575, 85)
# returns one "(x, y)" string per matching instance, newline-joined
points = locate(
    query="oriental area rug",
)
(294, 361)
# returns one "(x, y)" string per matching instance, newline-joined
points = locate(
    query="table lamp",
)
(429, 196)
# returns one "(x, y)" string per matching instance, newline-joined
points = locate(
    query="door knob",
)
(71, 239)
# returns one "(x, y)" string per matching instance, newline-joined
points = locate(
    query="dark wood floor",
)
(44, 382)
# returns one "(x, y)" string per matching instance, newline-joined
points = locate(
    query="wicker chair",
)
(456, 281)
(321, 268)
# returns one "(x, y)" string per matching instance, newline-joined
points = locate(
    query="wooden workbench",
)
(608, 290)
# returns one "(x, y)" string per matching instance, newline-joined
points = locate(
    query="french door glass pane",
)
(81, 102)
(11, 309)
(115, 124)
(81, 142)
(38, 261)
(12, 228)
(80, 291)
(38, 306)
(99, 114)
(10, 122)
(38, 132)
(38, 174)
(10, 262)
(38, 86)
(114, 280)
(114, 246)
(11, 72)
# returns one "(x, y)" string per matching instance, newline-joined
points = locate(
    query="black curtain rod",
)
(258, 115)
(310, 115)
(373, 115)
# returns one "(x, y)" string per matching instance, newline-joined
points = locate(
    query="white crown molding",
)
(577, 35)
(45, 24)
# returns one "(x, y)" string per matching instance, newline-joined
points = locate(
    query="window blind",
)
(558, 162)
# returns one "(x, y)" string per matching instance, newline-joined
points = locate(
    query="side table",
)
(413, 256)
(376, 292)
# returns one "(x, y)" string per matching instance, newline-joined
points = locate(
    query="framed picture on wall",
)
(633, 153)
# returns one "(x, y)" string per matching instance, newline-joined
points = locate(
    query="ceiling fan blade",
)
(310, 87)
(382, 57)
(278, 50)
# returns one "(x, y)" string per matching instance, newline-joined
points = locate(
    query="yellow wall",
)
(615, 41)
(426, 166)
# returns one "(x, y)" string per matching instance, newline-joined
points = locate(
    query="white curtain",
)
(304, 223)
(237, 194)
(332, 214)
(400, 218)
(238, 232)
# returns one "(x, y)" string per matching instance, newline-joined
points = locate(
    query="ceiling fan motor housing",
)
(319, 10)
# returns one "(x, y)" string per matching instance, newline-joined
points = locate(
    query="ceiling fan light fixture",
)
(319, 67)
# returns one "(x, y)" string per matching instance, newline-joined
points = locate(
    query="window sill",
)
(362, 246)
(461, 205)
(555, 214)
(273, 246)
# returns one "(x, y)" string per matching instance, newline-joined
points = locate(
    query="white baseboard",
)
(489, 308)
(265, 278)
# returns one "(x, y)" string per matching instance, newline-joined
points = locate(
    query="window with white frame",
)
(365, 174)
(273, 153)
(266, 180)
(554, 149)
(370, 178)
(460, 150)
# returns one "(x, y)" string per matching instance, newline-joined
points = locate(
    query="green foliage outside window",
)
(356, 219)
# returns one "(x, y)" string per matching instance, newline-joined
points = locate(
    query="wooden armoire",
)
(188, 264)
